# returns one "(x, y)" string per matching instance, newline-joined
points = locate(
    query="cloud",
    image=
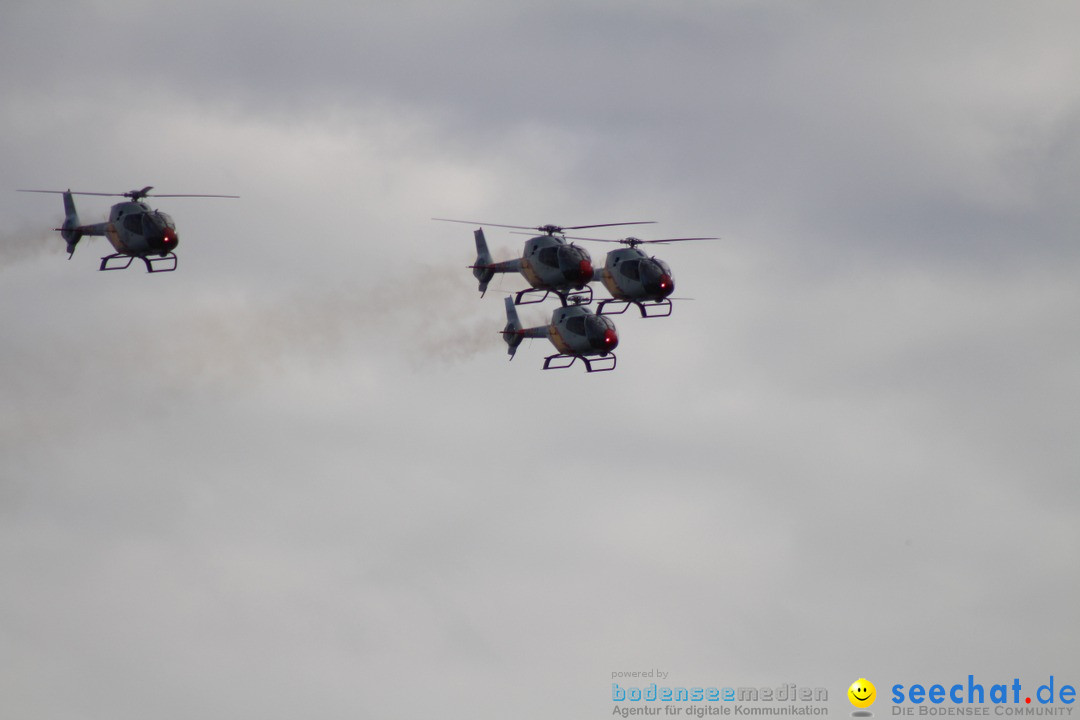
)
(300, 472)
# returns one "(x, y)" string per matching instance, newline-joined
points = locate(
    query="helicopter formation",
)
(550, 262)
(553, 266)
(134, 229)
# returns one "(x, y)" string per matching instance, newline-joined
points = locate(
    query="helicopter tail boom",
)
(71, 230)
(485, 267)
(514, 333)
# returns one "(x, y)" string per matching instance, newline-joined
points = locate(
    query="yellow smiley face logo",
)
(862, 693)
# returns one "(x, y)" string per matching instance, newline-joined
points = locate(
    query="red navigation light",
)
(610, 339)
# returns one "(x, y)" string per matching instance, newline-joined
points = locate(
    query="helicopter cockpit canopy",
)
(575, 263)
(158, 221)
(600, 332)
(571, 259)
(656, 277)
(150, 224)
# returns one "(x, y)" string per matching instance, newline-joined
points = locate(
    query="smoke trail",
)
(238, 337)
(28, 243)
(435, 317)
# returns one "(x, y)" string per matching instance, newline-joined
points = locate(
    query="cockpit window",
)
(597, 324)
(651, 271)
(630, 269)
(576, 324)
(155, 222)
(550, 256)
(133, 223)
(574, 260)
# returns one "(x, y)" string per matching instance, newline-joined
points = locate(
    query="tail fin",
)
(70, 229)
(512, 333)
(482, 270)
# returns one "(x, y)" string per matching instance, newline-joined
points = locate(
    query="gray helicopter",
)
(632, 277)
(133, 228)
(575, 332)
(548, 262)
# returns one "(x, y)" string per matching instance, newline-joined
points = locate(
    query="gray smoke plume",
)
(27, 243)
(434, 317)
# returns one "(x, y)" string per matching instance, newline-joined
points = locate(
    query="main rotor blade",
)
(102, 194)
(206, 196)
(547, 228)
(667, 240)
(638, 241)
(474, 222)
(74, 192)
(584, 227)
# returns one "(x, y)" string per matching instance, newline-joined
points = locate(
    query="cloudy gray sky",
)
(298, 477)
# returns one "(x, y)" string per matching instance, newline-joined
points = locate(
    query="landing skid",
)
(662, 307)
(168, 260)
(602, 363)
(577, 297)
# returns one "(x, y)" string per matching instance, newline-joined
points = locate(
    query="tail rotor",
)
(512, 333)
(70, 229)
(482, 269)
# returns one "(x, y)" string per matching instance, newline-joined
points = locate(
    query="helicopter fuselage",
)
(629, 274)
(575, 330)
(550, 263)
(136, 229)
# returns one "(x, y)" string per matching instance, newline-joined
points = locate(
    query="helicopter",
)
(575, 332)
(548, 263)
(133, 228)
(632, 277)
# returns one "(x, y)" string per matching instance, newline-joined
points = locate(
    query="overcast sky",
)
(298, 476)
